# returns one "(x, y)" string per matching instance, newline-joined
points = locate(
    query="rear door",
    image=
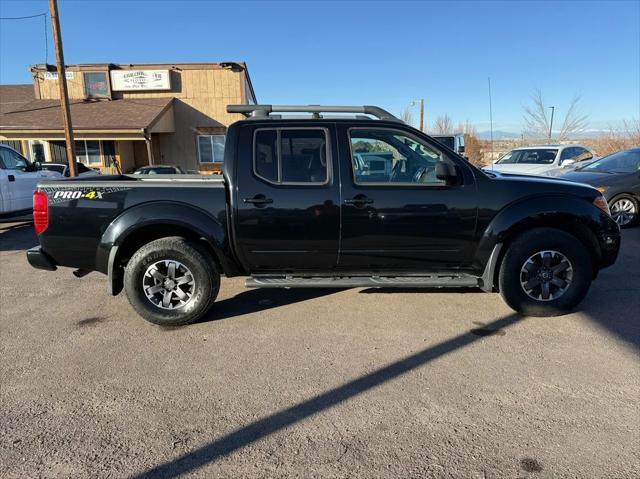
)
(399, 216)
(287, 214)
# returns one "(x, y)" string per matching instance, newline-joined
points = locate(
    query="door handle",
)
(258, 200)
(11, 178)
(359, 200)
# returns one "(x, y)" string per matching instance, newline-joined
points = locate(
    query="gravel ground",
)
(315, 383)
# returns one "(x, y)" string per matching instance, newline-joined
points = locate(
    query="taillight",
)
(40, 211)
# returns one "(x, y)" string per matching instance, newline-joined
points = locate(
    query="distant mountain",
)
(498, 135)
(508, 135)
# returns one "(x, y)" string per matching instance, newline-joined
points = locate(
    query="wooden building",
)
(128, 115)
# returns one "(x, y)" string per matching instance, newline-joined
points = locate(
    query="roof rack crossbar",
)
(259, 111)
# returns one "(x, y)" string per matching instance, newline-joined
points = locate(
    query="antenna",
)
(490, 121)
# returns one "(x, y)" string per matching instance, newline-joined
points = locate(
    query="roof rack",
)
(263, 111)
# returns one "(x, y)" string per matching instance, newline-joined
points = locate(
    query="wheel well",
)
(578, 230)
(146, 234)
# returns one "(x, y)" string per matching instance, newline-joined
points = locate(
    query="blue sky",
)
(385, 53)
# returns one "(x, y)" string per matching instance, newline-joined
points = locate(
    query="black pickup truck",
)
(320, 201)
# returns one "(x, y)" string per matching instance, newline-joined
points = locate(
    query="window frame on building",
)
(211, 136)
(85, 86)
(86, 161)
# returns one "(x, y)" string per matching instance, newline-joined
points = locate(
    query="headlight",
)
(602, 204)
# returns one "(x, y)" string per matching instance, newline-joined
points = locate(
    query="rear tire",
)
(545, 272)
(171, 281)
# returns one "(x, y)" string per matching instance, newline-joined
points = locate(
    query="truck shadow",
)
(256, 300)
(614, 296)
(17, 236)
(296, 413)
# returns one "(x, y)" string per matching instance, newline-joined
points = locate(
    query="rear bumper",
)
(40, 260)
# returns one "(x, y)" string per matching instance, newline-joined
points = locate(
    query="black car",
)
(617, 177)
(296, 208)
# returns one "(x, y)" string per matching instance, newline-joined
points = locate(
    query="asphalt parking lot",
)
(315, 383)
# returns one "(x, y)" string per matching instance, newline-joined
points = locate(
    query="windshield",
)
(621, 162)
(542, 156)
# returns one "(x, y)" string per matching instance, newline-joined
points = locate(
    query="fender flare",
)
(568, 213)
(161, 213)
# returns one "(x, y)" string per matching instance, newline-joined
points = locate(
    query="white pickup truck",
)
(18, 180)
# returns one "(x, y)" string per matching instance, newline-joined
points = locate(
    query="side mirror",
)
(567, 162)
(446, 172)
(37, 166)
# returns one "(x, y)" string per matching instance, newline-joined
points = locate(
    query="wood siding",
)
(201, 91)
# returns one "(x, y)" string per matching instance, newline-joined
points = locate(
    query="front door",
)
(287, 214)
(396, 215)
(20, 183)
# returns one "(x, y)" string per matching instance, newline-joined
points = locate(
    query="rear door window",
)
(287, 156)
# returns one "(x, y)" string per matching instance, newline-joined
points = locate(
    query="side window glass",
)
(11, 160)
(582, 154)
(290, 156)
(567, 153)
(266, 155)
(303, 156)
(387, 156)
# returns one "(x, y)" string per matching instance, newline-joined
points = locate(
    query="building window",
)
(96, 85)
(211, 148)
(88, 152)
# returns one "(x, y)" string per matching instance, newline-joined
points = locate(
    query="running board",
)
(431, 281)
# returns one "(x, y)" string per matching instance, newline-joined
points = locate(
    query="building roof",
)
(128, 114)
(16, 93)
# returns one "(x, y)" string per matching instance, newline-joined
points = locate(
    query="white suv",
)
(540, 159)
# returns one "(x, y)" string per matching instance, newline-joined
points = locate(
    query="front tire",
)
(171, 281)
(545, 272)
(625, 210)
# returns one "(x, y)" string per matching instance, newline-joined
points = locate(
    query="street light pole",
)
(551, 124)
(422, 114)
(62, 84)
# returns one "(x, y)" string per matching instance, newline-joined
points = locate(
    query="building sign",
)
(54, 75)
(123, 80)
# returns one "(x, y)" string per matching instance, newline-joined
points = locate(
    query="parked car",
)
(63, 169)
(293, 211)
(159, 170)
(18, 180)
(540, 159)
(454, 142)
(617, 177)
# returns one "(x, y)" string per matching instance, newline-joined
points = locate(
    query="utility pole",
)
(551, 124)
(422, 114)
(62, 83)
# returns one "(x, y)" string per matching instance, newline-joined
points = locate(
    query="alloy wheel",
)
(623, 211)
(546, 275)
(168, 284)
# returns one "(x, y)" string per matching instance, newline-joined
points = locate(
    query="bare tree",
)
(575, 121)
(535, 116)
(443, 125)
(406, 115)
(537, 122)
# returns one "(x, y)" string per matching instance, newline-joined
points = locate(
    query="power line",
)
(24, 18)
(46, 37)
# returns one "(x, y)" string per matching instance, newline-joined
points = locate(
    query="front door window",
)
(389, 157)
